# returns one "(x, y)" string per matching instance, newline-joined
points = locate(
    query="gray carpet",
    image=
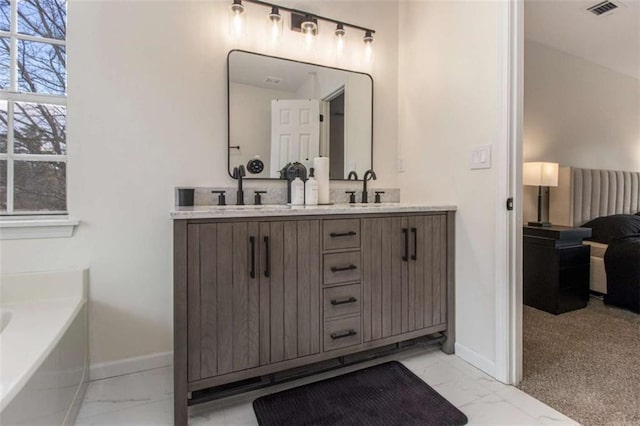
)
(585, 363)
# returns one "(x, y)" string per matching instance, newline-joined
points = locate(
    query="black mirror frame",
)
(230, 147)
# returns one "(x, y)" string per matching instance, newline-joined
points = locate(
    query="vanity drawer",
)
(341, 234)
(341, 333)
(341, 267)
(343, 300)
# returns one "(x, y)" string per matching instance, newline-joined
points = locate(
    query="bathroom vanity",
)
(260, 290)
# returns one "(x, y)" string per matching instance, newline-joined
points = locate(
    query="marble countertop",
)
(220, 212)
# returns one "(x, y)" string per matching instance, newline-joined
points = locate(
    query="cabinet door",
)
(403, 274)
(427, 271)
(223, 298)
(384, 276)
(289, 290)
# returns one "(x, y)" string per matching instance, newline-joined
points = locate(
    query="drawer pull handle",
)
(343, 334)
(343, 268)
(344, 301)
(343, 234)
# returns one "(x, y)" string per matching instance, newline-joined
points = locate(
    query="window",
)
(33, 80)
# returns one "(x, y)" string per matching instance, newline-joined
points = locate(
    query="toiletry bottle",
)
(311, 190)
(297, 191)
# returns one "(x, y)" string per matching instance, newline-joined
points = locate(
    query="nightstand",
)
(556, 268)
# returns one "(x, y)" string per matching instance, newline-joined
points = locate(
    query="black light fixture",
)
(309, 25)
(368, 37)
(237, 8)
(275, 16)
(301, 21)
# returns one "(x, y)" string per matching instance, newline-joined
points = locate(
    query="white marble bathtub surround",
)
(278, 194)
(145, 399)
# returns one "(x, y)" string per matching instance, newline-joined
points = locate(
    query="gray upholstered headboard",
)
(585, 194)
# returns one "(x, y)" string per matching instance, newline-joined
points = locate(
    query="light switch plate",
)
(481, 157)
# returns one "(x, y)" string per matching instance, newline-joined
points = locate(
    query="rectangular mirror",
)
(282, 111)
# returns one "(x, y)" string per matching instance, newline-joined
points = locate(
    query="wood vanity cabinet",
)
(255, 296)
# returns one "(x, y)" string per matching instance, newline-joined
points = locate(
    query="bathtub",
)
(43, 347)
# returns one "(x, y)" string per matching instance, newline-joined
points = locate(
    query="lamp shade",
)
(540, 174)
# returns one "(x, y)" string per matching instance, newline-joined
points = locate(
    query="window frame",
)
(12, 96)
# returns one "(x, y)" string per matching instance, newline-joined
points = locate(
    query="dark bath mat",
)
(386, 395)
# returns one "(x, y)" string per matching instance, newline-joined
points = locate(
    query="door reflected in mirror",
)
(283, 111)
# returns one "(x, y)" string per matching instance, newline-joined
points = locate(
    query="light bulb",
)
(309, 29)
(368, 45)
(237, 23)
(276, 23)
(340, 34)
(308, 40)
(237, 18)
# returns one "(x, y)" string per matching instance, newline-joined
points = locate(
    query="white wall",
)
(448, 103)
(578, 113)
(147, 112)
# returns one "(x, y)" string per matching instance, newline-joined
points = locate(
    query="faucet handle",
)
(352, 196)
(257, 200)
(221, 198)
(378, 201)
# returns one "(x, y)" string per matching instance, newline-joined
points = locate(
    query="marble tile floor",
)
(145, 398)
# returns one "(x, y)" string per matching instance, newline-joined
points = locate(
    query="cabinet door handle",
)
(343, 268)
(267, 266)
(414, 231)
(344, 301)
(252, 242)
(343, 334)
(405, 235)
(343, 234)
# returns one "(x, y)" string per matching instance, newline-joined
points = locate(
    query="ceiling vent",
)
(602, 8)
(273, 80)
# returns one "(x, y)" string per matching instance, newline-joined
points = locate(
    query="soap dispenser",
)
(297, 191)
(311, 190)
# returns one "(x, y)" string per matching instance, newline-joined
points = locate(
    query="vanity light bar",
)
(306, 22)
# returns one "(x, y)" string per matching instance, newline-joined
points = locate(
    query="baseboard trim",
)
(475, 359)
(130, 365)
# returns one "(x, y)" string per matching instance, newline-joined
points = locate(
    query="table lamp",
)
(540, 174)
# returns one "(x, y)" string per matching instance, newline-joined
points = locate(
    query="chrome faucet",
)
(239, 173)
(368, 175)
(352, 174)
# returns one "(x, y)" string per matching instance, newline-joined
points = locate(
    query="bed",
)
(584, 195)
